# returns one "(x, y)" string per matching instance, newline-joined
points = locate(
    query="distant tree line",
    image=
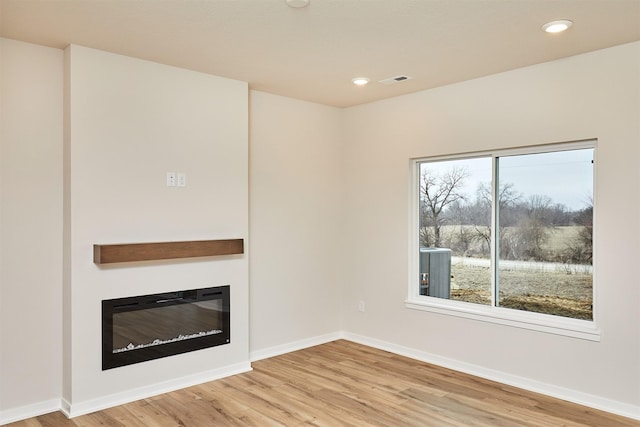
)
(525, 224)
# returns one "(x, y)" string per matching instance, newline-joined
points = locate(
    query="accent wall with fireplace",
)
(129, 122)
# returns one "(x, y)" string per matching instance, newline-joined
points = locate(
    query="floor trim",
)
(81, 408)
(29, 411)
(294, 346)
(73, 410)
(592, 401)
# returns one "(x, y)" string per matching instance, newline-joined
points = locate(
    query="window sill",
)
(574, 328)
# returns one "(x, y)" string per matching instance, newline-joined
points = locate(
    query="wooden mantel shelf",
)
(131, 252)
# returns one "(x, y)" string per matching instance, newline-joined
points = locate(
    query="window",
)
(507, 236)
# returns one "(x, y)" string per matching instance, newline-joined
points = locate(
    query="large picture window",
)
(506, 231)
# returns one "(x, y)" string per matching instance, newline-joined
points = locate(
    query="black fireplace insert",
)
(147, 327)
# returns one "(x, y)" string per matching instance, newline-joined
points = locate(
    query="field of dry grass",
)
(556, 293)
(562, 290)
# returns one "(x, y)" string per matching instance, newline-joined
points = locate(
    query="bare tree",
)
(461, 242)
(437, 192)
(580, 249)
(532, 229)
(508, 197)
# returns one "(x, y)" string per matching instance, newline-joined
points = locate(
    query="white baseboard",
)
(76, 409)
(294, 346)
(73, 410)
(596, 402)
(29, 411)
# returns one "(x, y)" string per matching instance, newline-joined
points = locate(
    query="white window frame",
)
(558, 325)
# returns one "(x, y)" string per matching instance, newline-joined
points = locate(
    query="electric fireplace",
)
(147, 327)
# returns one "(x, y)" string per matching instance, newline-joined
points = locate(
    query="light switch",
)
(182, 179)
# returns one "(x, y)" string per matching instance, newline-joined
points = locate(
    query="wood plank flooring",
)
(343, 384)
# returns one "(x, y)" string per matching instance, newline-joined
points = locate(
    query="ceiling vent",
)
(393, 80)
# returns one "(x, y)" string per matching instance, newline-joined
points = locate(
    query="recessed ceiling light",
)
(297, 3)
(557, 26)
(360, 81)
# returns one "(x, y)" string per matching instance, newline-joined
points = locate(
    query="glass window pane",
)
(455, 221)
(545, 211)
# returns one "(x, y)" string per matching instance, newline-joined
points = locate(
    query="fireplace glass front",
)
(136, 329)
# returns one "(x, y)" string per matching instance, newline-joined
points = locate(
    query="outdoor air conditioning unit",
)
(435, 272)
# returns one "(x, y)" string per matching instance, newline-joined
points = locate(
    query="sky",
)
(564, 176)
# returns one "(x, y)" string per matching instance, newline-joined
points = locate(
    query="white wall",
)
(596, 95)
(130, 122)
(30, 228)
(295, 214)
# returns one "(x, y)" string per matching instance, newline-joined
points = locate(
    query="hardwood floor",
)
(343, 384)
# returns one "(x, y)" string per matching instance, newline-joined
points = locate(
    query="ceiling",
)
(312, 53)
